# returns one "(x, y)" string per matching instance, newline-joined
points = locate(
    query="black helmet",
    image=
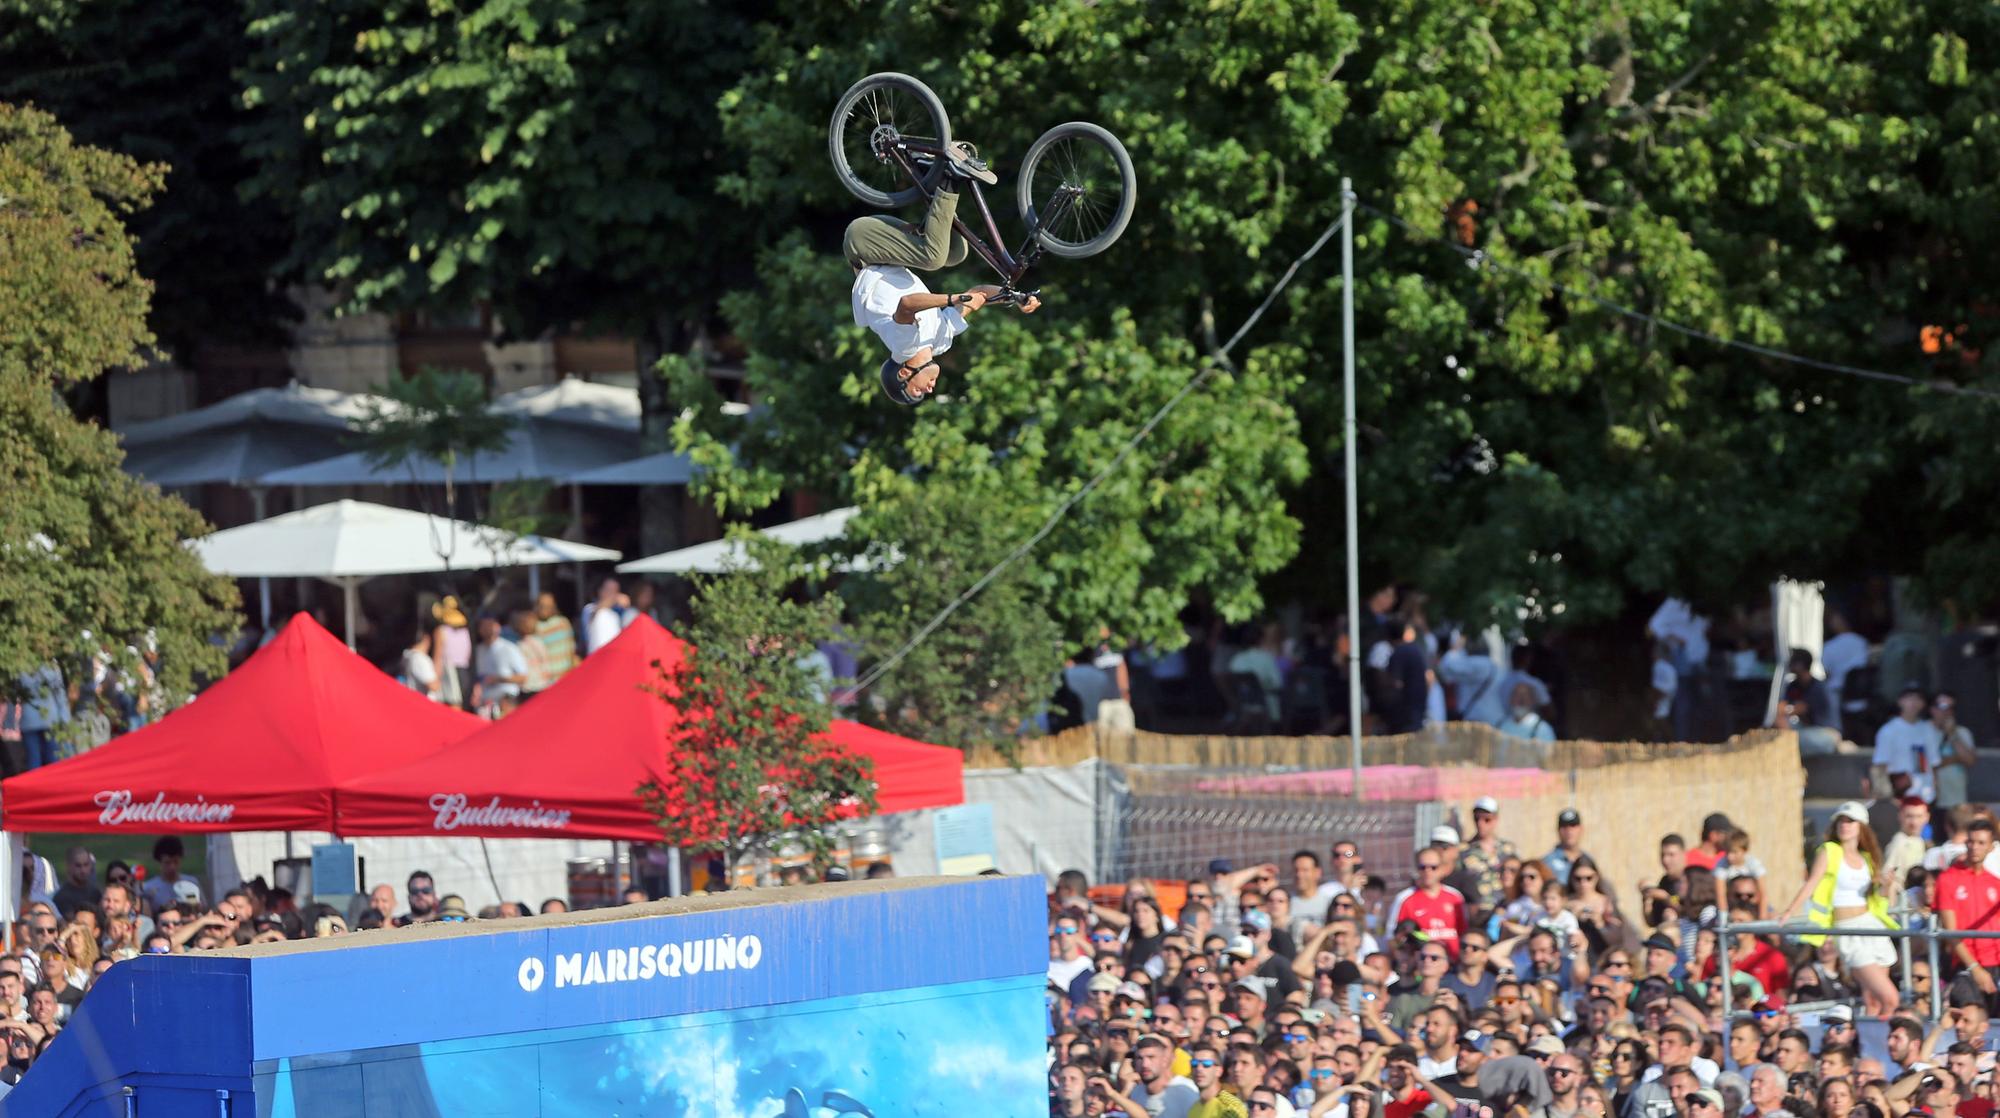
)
(892, 383)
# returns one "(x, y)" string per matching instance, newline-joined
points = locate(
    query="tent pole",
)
(534, 583)
(673, 871)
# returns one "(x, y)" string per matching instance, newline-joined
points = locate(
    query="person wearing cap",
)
(1842, 889)
(1908, 748)
(451, 652)
(1569, 844)
(1480, 861)
(1257, 929)
(1463, 1083)
(1437, 909)
(1100, 989)
(1705, 1103)
(1444, 840)
(1250, 1001)
(1968, 899)
(1714, 844)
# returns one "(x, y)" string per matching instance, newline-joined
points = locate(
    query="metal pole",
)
(674, 871)
(1722, 947)
(1348, 430)
(1937, 972)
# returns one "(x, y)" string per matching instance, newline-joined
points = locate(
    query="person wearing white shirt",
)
(1677, 625)
(888, 298)
(604, 618)
(1908, 747)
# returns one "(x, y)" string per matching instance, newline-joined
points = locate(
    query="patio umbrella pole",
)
(257, 493)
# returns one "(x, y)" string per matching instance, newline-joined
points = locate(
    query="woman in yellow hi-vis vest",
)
(1843, 890)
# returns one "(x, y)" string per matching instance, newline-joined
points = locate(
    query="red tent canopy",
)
(261, 750)
(569, 763)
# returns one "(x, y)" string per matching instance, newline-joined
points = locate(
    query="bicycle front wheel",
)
(1077, 189)
(878, 115)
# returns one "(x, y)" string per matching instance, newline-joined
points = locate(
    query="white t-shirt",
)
(1914, 748)
(1666, 681)
(601, 625)
(877, 291)
(1173, 1102)
(1676, 620)
(1842, 654)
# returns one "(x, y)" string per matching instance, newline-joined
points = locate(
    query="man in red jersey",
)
(1968, 899)
(1438, 909)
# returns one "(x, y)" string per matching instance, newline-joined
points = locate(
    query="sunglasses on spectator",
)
(1562, 1071)
(1434, 957)
(1430, 865)
(1764, 1014)
(1472, 945)
(1506, 999)
(1618, 964)
(1204, 1063)
(1065, 929)
(1103, 937)
(1322, 1073)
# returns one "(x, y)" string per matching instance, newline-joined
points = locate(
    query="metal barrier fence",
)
(1176, 835)
(1927, 931)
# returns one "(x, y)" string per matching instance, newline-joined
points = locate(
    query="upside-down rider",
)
(916, 324)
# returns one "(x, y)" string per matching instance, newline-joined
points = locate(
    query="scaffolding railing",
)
(1920, 927)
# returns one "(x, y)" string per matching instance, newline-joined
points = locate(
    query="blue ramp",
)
(898, 997)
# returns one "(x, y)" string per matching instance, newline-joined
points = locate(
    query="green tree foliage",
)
(991, 665)
(747, 759)
(83, 546)
(555, 158)
(157, 82)
(440, 415)
(1806, 176)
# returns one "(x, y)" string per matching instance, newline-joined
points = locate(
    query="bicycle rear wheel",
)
(874, 115)
(1079, 180)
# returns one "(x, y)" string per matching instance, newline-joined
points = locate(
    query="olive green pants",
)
(926, 248)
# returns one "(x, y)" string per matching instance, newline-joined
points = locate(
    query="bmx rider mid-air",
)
(916, 324)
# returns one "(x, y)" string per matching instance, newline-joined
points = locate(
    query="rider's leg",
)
(926, 248)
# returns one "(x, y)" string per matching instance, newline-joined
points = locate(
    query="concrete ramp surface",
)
(898, 997)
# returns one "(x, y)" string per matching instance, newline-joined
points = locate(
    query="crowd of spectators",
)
(1485, 981)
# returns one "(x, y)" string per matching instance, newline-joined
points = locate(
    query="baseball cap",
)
(1659, 941)
(1253, 984)
(1838, 1013)
(1258, 919)
(1716, 821)
(1444, 833)
(1218, 867)
(1912, 687)
(1103, 982)
(186, 889)
(1487, 804)
(1546, 1046)
(1242, 948)
(1852, 809)
(1476, 1040)
(1568, 818)
(1707, 1096)
(1131, 991)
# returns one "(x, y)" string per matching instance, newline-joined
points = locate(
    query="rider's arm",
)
(966, 302)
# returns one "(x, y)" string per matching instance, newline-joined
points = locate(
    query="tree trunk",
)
(662, 519)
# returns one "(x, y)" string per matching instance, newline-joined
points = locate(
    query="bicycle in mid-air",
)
(1075, 187)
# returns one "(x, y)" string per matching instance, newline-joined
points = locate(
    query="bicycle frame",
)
(1012, 266)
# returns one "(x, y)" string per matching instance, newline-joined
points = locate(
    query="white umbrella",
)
(722, 555)
(349, 542)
